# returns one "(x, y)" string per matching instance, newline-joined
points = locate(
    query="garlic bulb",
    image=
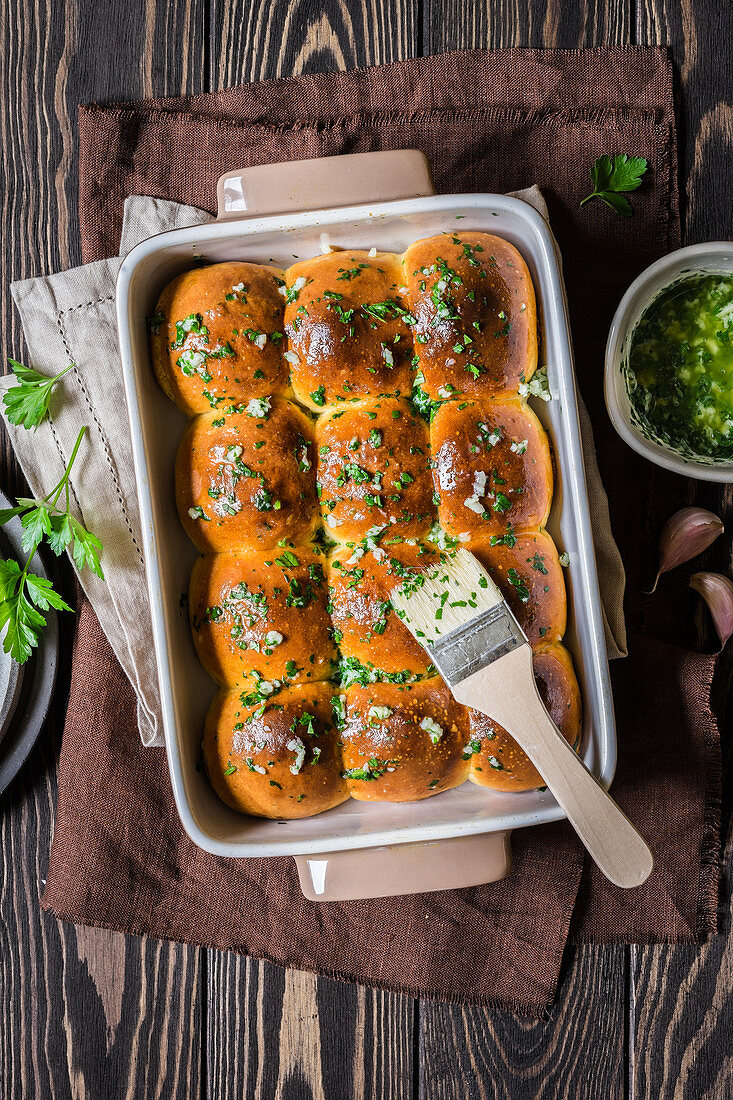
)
(717, 591)
(685, 535)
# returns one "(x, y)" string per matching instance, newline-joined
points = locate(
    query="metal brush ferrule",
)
(477, 644)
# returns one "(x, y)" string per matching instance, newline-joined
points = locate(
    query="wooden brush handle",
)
(506, 691)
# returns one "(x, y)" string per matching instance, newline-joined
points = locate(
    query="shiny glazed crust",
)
(217, 336)
(277, 759)
(374, 470)
(527, 569)
(492, 467)
(346, 333)
(275, 613)
(476, 318)
(403, 742)
(262, 611)
(368, 630)
(246, 480)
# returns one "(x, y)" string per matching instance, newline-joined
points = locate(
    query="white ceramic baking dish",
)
(274, 214)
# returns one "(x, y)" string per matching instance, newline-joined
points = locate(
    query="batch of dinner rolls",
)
(353, 419)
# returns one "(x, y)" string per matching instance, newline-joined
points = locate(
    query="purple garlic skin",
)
(717, 591)
(685, 535)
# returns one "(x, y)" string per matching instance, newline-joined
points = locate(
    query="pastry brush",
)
(471, 636)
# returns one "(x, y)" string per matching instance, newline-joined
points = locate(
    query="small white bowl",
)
(714, 257)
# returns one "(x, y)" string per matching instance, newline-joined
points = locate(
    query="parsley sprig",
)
(27, 404)
(612, 175)
(24, 596)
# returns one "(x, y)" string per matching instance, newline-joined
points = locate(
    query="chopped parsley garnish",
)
(373, 769)
(520, 586)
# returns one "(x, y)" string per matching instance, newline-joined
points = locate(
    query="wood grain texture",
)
(683, 1008)
(698, 33)
(85, 1012)
(266, 39)
(284, 1034)
(493, 24)
(577, 1052)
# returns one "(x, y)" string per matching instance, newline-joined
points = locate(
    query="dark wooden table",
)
(94, 1014)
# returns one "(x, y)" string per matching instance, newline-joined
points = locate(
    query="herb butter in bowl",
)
(669, 363)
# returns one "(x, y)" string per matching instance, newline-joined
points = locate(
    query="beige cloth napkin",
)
(70, 317)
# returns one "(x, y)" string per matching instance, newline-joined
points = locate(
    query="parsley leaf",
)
(611, 175)
(24, 595)
(27, 403)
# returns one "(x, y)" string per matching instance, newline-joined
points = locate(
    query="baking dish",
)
(360, 849)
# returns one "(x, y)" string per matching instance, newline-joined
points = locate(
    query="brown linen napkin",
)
(488, 122)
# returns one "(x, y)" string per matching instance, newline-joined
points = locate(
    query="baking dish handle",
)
(405, 868)
(323, 183)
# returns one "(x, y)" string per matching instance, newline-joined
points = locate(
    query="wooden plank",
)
(682, 997)
(493, 24)
(285, 1033)
(578, 1051)
(698, 33)
(266, 39)
(85, 1012)
(292, 1034)
(683, 1021)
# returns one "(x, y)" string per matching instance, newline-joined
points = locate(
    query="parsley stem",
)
(20, 585)
(64, 482)
(61, 373)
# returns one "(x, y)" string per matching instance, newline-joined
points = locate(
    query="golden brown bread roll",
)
(403, 742)
(262, 611)
(475, 315)
(496, 759)
(246, 480)
(527, 569)
(492, 467)
(360, 583)
(277, 758)
(374, 470)
(347, 336)
(217, 336)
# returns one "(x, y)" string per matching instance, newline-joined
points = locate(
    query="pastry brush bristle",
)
(445, 597)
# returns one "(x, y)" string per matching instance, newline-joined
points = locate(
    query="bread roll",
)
(374, 470)
(403, 742)
(475, 316)
(347, 336)
(496, 759)
(262, 611)
(492, 467)
(527, 569)
(368, 630)
(217, 336)
(246, 480)
(278, 758)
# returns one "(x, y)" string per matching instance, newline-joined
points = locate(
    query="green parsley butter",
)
(679, 372)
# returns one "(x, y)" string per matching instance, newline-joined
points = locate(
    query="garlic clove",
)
(717, 591)
(685, 535)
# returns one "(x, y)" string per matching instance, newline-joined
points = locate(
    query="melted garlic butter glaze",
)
(680, 369)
